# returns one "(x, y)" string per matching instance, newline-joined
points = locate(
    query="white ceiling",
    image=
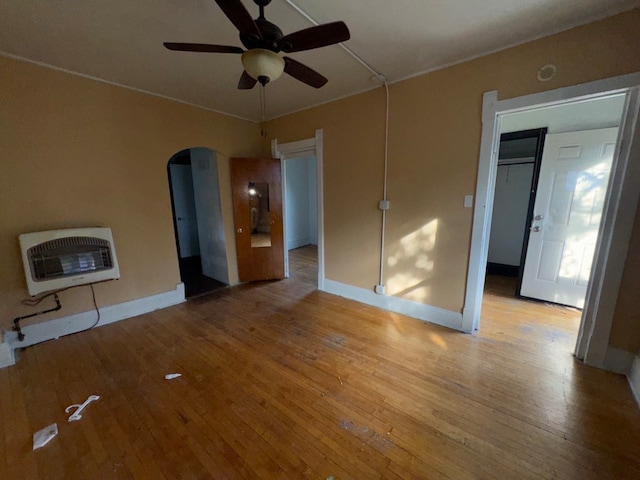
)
(570, 117)
(120, 41)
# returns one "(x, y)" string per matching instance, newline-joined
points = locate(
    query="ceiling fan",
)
(264, 41)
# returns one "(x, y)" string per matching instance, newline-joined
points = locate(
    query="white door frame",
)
(310, 147)
(618, 214)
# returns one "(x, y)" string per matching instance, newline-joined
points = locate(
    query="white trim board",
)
(59, 327)
(7, 356)
(634, 379)
(427, 313)
(299, 242)
(300, 148)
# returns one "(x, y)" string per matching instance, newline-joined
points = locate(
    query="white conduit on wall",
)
(379, 76)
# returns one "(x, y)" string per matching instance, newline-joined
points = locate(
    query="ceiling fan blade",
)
(239, 16)
(315, 37)
(247, 82)
(202, 47)
(303, 73)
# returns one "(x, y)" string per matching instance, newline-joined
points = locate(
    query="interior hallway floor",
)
(505, 316)
(280, 380)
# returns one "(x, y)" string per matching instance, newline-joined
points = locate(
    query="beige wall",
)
(77, 152)
(433, 155)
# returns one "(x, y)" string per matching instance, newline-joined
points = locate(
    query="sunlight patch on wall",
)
(412, 263)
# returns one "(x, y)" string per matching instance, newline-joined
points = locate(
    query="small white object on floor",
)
(171, 376)
(76, 415)
(44, 436)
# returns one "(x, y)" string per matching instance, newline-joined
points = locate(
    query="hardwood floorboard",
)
(280, 380)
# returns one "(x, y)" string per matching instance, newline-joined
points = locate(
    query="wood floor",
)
(282, 381)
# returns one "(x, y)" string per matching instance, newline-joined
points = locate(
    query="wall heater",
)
(58, 259)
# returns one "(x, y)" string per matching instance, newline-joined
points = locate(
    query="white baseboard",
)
(410, 308)
(634, 379)
(618, 361)
(7, 357)
(41, 332)
(299, 242)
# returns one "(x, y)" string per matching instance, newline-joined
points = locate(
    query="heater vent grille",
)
(69, 256)
(62, 258)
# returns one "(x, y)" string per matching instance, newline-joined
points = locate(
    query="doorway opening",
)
(549, 192)
(304, 226)
(301, 214)
(618, 213)
(519, 159)
(197, 221)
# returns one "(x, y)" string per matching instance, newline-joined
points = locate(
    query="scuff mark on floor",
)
(370, 437)
(334, 340)
(554, 335)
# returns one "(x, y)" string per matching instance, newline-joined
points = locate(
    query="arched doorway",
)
(197, 220)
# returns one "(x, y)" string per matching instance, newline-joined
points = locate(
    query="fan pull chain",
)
(263, 112)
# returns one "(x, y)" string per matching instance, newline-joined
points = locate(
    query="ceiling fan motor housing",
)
(271, 35)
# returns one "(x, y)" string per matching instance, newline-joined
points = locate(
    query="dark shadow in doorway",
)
(195, 283)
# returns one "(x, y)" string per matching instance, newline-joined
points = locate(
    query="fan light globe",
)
(263, 65)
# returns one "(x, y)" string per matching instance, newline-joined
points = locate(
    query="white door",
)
(213, 250)
(571, 190)
(185, 210)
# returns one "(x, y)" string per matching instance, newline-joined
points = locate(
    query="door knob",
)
(239, 230)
